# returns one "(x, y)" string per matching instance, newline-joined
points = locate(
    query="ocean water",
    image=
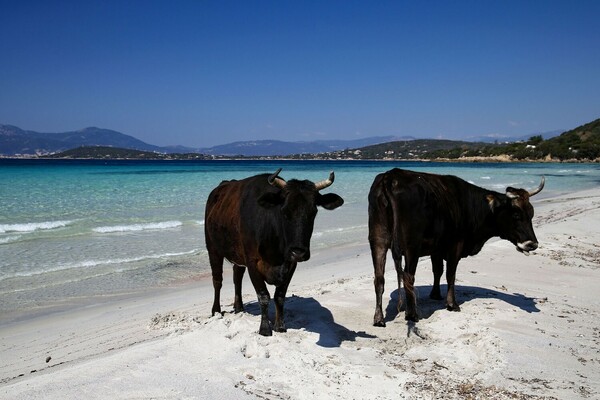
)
(72, 230)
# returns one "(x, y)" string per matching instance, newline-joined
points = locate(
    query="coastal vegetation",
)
(108, 153)
(580, 144)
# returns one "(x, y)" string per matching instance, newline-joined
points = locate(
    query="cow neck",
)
(483, 225)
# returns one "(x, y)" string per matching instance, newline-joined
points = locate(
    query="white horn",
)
(326, 183)
(539, 188)
(275, 180)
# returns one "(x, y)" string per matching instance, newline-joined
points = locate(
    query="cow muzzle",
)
(298, 254)
(526, 247)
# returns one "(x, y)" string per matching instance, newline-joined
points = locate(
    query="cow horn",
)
(274, 180)
(539, 188)
(326, 183)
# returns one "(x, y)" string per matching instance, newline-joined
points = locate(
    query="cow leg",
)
(412, 258)
(280, 292)
(216, 266)
(263, 300)
(378, 253)
(451, 303)
(238, 275)
(397, 256)
(437, 266)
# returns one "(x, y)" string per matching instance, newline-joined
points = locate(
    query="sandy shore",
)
(529, 328)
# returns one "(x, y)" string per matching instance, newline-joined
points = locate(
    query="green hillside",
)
(404, 149)
(581, 144)
(107, 153)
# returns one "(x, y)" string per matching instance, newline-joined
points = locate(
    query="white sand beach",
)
(529, 328)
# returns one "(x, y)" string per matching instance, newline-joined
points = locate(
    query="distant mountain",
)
(14, 140)
(581, 143)
(282, 148)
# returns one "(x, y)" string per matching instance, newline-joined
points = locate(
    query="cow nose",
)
(527, 246)
(299, 254)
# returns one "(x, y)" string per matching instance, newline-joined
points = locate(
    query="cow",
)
(420, 214)
(263, 224)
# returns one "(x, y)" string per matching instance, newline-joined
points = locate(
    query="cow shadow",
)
(427, 307)
(306, 313)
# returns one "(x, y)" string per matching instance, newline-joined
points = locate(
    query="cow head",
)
(513, 214)
(296, 202)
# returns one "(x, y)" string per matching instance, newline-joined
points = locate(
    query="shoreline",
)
(505, 158)
(528, 329)
(193, 295)
(74, 303)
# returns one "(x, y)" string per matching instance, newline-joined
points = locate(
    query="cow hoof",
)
(380, 323)
(452, 307)
(216, 311)
(265, 327)
(265, 332)
(279, 325)
(238, 310)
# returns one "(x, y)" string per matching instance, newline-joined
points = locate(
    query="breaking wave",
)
(139, 227)
(9, 239)
(33, 226)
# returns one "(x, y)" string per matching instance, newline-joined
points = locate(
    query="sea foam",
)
(95, 263)
(9, 239)
(138, 227)
(33, 226)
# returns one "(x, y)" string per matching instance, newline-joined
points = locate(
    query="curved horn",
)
(539, 188)
(326, 183)
(275, 180)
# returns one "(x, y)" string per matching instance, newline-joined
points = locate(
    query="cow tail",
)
(394, 216)
(396, 248)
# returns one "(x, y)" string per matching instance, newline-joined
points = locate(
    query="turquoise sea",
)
(93, 229)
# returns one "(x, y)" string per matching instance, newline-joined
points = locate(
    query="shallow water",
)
(75, 229)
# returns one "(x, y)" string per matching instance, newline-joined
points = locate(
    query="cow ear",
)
(492, 201)
(329, 201)
(270, 199)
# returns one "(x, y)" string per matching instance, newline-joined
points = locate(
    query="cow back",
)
(431, 210)
(234, 221)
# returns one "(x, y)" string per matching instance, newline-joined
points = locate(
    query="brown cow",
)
(265, 224)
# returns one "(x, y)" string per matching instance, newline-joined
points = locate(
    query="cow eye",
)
(517, 216)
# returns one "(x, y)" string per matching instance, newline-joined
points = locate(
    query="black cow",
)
(265, 224)
(418, 214)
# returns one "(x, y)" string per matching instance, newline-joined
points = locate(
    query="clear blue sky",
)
(201, 73)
